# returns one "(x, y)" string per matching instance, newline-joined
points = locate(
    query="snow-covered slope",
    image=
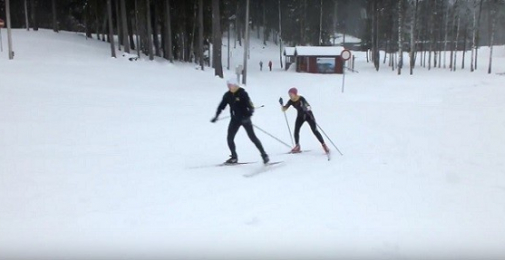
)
(105, 157)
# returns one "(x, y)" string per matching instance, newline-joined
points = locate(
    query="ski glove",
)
(213, 120)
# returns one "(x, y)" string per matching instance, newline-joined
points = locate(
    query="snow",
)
(318, 50)
(339, 39)
(104, 158)
(289, 51)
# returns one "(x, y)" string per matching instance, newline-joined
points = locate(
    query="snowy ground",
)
(104, 157)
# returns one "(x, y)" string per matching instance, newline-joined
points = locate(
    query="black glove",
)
(214, 119)
(246, 120)
(281, 101)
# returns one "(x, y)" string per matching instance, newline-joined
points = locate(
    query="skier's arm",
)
(220, 108)
(284, 108)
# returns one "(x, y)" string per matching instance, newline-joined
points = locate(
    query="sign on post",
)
(345, 55)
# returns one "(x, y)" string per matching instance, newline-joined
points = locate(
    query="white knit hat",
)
(232, 81)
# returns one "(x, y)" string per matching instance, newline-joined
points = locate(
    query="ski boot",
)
(326, 149)
(296, 149)
(265, 158)
(232, 160)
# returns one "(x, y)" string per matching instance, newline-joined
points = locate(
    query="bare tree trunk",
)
(217, 43)
(118, 25)
(400, 37)
(33, 9)
(137, 30)
(9, 29)
(446, 32)
(87, 20)
(439, 44)
(456, 46)
(104, 26)
(424, 37)
(320, 23)
(465, 36)
(55, 20)
(111, 29)
(125, 27)
(474, 34)
(280, 34)
(431, 36)
(392, 60)
(493, 20)
(168, 31)
(377, 47)
(142, 26)
(478, 33)
(265, 32)
(149, 30)
(26, 16)
(454, 14)
(395, 63)
(386, 50)
(97, 22)
(413, 39)
(155, 29)
(258, 29)
(375, 36)
(238, 27)
(130, 32)
(246, 43)
(304, 23)
(200, 33)
(193, 35)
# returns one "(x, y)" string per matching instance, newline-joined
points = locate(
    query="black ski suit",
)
(241, 110)
(304, 114)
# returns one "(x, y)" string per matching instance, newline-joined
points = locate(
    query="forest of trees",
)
(183, 30)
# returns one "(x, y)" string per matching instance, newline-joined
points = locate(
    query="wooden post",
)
(9, 34)
(246, 44)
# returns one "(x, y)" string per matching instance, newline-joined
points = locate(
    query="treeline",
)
(184, 29)
(432, 31)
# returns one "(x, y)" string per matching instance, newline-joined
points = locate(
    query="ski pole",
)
(320, 128)
(280, 141)
(328, 138)
(287, 123)
(226, 117)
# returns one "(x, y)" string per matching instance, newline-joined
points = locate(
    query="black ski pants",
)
(232, 131)
(309, 118)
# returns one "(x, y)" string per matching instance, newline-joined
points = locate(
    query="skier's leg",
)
(250, 132)
(313, 126)
(298, 124)
(232, 131)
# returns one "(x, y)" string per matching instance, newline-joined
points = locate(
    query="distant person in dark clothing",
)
(241, 110)
(270, 65)
(304, 115)
(261, 65)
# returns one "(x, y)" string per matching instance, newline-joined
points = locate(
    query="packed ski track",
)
(111, 157)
